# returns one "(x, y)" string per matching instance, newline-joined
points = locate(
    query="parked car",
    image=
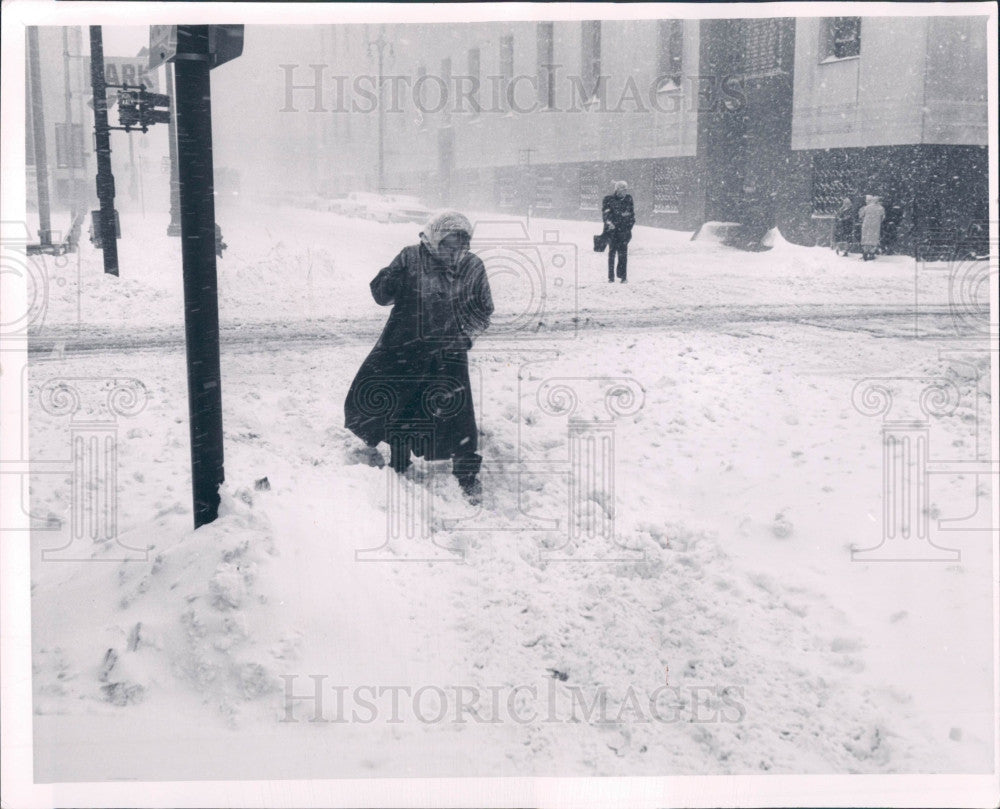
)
(336, 203)
(398, 208)
(358, 203)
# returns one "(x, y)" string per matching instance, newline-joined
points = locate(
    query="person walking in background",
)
(843, 226)
(871, 216)
(413, 390)
(619, 217)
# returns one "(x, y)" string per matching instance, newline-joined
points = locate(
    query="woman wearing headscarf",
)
(413, 390)
(871, 216)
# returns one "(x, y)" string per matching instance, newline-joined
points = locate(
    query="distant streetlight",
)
(380, 45)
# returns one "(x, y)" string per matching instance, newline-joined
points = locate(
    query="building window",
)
(506, 67)
(590, 190)
(761, 47)
(546, 84)
(666, 190)
(69, 146)
(475, 76)
(841, 37)
(507, 191)
(590, 56)
(831, 185)
(670, 51)
(544, 192)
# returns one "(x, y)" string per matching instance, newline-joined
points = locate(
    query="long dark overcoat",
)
(618, 211)
(415, 381)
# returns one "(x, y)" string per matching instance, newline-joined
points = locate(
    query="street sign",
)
(225, 43)
(162, 45)
(128, 70)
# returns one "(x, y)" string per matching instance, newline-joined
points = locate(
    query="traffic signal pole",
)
(174, 228)
(102, 136)
(193, 108)
(38, 133)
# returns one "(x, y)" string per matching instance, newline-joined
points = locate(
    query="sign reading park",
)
(132, 70)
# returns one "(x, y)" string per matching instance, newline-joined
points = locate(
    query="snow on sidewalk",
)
(749, 619)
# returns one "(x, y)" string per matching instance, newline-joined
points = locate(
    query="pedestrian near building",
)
(871, 217)
(413, 390)
(619, 217)
(843, 226)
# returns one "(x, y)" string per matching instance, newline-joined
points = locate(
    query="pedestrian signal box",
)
(138, 109)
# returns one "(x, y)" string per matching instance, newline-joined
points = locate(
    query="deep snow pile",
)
(742, 478)
(197, 617)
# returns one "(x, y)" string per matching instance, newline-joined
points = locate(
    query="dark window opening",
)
(843, 37)
(670, 52)
(591, 56)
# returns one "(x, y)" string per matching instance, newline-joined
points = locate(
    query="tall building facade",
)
(765, 122)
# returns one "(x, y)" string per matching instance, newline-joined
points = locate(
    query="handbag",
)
(600, 242)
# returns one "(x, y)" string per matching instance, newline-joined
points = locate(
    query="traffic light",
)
(141, 110)
(149, 108)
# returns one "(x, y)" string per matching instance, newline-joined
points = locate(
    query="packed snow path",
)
(880, 321)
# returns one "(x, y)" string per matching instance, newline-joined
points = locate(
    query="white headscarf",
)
(442, 224)
(621, 185)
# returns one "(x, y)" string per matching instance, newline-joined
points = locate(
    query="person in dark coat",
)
(619, 217)
(413, 390)
(843, 226)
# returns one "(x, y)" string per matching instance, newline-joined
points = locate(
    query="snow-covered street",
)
(700, 575)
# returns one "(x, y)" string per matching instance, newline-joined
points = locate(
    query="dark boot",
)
(466, 470)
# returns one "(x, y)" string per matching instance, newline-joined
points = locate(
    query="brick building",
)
(765, 122)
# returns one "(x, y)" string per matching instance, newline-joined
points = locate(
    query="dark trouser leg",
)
(623, 260)
(611, 260)
(399, 453)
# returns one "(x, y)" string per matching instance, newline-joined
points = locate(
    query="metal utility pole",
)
(102, 136)
(174, 228)
(38, 138)
(380, 44)
(71, 153)
(193, 109)
(133, 187)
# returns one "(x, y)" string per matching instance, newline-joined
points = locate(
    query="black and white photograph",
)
(530, 404)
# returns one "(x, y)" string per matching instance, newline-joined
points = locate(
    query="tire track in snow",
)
(882, 321)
